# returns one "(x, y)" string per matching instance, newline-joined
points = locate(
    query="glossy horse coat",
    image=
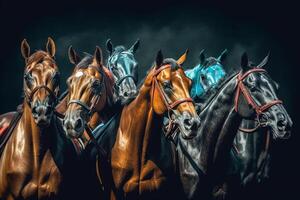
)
(33, 160)
(141, 158)
(203, 160)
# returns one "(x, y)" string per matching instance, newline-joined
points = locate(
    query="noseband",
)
(125, 77)
(241, 88)
(95, 100)
(169, 105)
(37, 88)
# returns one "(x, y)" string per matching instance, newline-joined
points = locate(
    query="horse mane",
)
(212, 92)
(38, 56)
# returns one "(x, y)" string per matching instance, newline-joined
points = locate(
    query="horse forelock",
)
(39, 56)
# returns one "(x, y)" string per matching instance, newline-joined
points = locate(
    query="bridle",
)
(120, 80)
(95, 100)
(169, 105)
(259, 109)
(29, 96)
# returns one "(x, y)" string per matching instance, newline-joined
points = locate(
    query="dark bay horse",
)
(34, 159)
(250, 94)
(124, 67)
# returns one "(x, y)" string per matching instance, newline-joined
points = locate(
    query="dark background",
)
(251, 26)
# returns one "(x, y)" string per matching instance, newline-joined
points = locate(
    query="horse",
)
(34, 160)
(89, 103)
(207, 74)
(248, 94)
(124, 67)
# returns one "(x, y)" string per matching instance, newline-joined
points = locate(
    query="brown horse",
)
(34, 157)
(138, 162)
(90, 97)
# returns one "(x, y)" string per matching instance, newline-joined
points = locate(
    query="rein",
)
(241, 89)
(169, 105)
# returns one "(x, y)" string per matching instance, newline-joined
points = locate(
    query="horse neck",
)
(37, 140)
(220, 124)
(140, 114)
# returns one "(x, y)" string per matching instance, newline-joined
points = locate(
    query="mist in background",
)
(173, 27)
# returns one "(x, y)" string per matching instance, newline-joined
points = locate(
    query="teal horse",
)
(207, 74)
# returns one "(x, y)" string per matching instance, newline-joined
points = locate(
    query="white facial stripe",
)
(78, 74)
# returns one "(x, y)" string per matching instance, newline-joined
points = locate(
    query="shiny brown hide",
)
(27, 167)
(27, 170)
(5, 121)
(136, 159)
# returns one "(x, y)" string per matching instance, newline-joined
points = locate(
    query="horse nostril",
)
(126, 94)
(78, 124)
(187, 122)
(34, 111)
(48, 110)
(281, 124)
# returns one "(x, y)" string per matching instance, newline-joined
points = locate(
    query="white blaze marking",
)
(78, 74)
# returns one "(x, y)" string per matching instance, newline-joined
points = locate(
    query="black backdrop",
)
(250, 26)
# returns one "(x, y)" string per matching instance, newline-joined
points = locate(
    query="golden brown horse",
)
(30, 165)
(137, 157)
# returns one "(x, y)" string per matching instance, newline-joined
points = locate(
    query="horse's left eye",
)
(167, 85)
(96, 87)
(28, 79)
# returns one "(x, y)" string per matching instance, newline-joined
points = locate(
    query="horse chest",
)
(37, 181)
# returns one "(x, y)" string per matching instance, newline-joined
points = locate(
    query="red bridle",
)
(169, 105)
(259, 109)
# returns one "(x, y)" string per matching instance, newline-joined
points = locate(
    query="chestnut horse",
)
(37, 153)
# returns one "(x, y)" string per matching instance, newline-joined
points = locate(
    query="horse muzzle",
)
(42, 114)
(281, 126)
(74, 125)
(188, 125)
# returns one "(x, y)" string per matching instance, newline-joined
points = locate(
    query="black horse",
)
(249, 94)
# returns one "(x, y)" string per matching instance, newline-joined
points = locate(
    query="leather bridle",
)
(123, 78)
(95, 100)
(259, 109)
(169, 105)
(37, 88)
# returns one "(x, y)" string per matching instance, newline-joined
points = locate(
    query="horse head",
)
(207, 74)
(256, 96)
(41, 82)
(89, 91)
(124, 67)
(170, 93)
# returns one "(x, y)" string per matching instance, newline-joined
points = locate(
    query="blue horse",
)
(207, 74)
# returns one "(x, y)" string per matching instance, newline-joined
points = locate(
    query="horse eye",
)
(96, 87)
(167, 85)
(28, 79)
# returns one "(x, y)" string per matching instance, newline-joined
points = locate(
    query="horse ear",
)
(97, 60)
(264, 61)
(223, 56)
(159, 59)
(244, 62)
(202, 57)
(135, 46)
(109, 46)
(50, 47)
(182, 58)
(25, 50)
(73, 57)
